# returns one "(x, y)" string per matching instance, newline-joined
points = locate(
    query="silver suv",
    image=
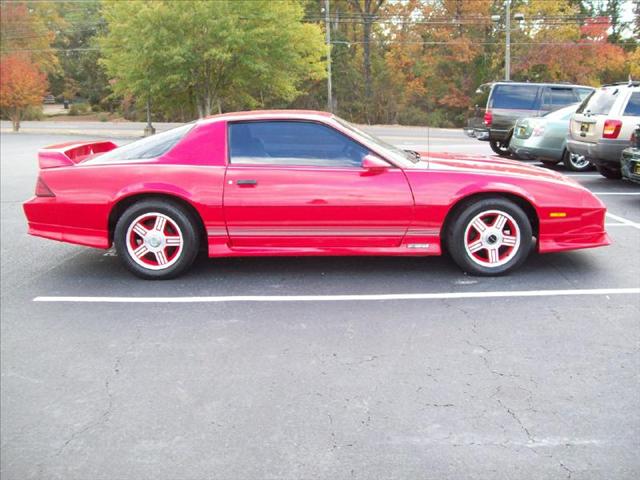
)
(601, 127)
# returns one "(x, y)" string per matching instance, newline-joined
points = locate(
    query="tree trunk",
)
(205, 105)
(15, 120)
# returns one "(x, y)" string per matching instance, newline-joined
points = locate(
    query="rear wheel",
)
(490, 237)
(610, 173)
(156, 239)
(501, 147)
(575, 162)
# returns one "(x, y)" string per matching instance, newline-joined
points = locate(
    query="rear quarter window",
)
(149, 147)
(514, 97)
(633, 106)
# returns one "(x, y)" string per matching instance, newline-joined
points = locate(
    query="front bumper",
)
(580, 228)
(604, 153)
(629, 164)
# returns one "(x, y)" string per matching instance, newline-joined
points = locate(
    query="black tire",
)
(609, 173)
(575, 163)
(501, 148)
(179, 225)
(459, 237)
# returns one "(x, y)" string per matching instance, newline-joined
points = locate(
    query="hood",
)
(460, 162)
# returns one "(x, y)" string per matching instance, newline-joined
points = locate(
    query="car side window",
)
(633, 106)
(297, 143)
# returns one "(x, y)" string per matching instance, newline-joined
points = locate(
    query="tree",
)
(22, 85)
(210, 55)
(26, 31)
(634, 64)
(79, 24)
(367, 12)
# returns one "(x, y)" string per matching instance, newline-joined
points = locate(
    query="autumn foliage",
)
(22, 85)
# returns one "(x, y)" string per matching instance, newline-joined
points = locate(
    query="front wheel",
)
(490, 237)
(575, 162)
(156, 239)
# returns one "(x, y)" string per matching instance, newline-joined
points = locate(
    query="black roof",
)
(542, 84)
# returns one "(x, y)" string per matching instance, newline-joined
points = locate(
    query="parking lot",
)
(329, 368)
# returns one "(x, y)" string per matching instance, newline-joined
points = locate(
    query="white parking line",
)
(624, 221)
(338, 298)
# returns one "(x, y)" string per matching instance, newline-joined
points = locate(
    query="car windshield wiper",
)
(413, 156)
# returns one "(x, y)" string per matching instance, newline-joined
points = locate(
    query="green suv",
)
(510, 101)
(630, 160)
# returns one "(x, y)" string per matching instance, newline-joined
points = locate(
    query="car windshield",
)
(394, 152)
(149, 147)
(563, 113)
(599, 102)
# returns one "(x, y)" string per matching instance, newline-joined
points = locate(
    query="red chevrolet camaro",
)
(302, 183)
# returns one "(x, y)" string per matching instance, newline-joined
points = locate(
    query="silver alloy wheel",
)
(492, 238)
(154, 241)
(578, 161)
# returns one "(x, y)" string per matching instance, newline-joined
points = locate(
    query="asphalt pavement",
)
(503, 386)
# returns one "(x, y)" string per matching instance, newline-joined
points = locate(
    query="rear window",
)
(599, 102)
(149, 147)
(515, 97)
(633, 107)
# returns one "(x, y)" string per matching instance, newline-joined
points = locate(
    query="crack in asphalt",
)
(107, 412)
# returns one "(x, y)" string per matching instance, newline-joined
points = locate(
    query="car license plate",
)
(637, 169)
(584, 127)
(521, 130)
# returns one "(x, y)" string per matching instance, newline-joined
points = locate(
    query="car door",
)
(630, 115)
(301, 184)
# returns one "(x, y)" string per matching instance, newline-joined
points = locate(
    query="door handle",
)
(247, 182)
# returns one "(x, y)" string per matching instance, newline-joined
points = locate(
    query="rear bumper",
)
(477, 133)
(43, 221)
(531, 152)
(603, 153)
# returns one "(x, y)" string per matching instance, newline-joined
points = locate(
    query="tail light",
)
(488, 118)
(611, 128)
(538, 130)
(42, 190)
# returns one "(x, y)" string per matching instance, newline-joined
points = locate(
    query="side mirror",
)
(372, 162)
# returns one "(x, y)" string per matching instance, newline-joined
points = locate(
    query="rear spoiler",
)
(71, 153)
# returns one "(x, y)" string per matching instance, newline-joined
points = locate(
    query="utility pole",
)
(327, 24)
(519, 17)
(507, 50)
